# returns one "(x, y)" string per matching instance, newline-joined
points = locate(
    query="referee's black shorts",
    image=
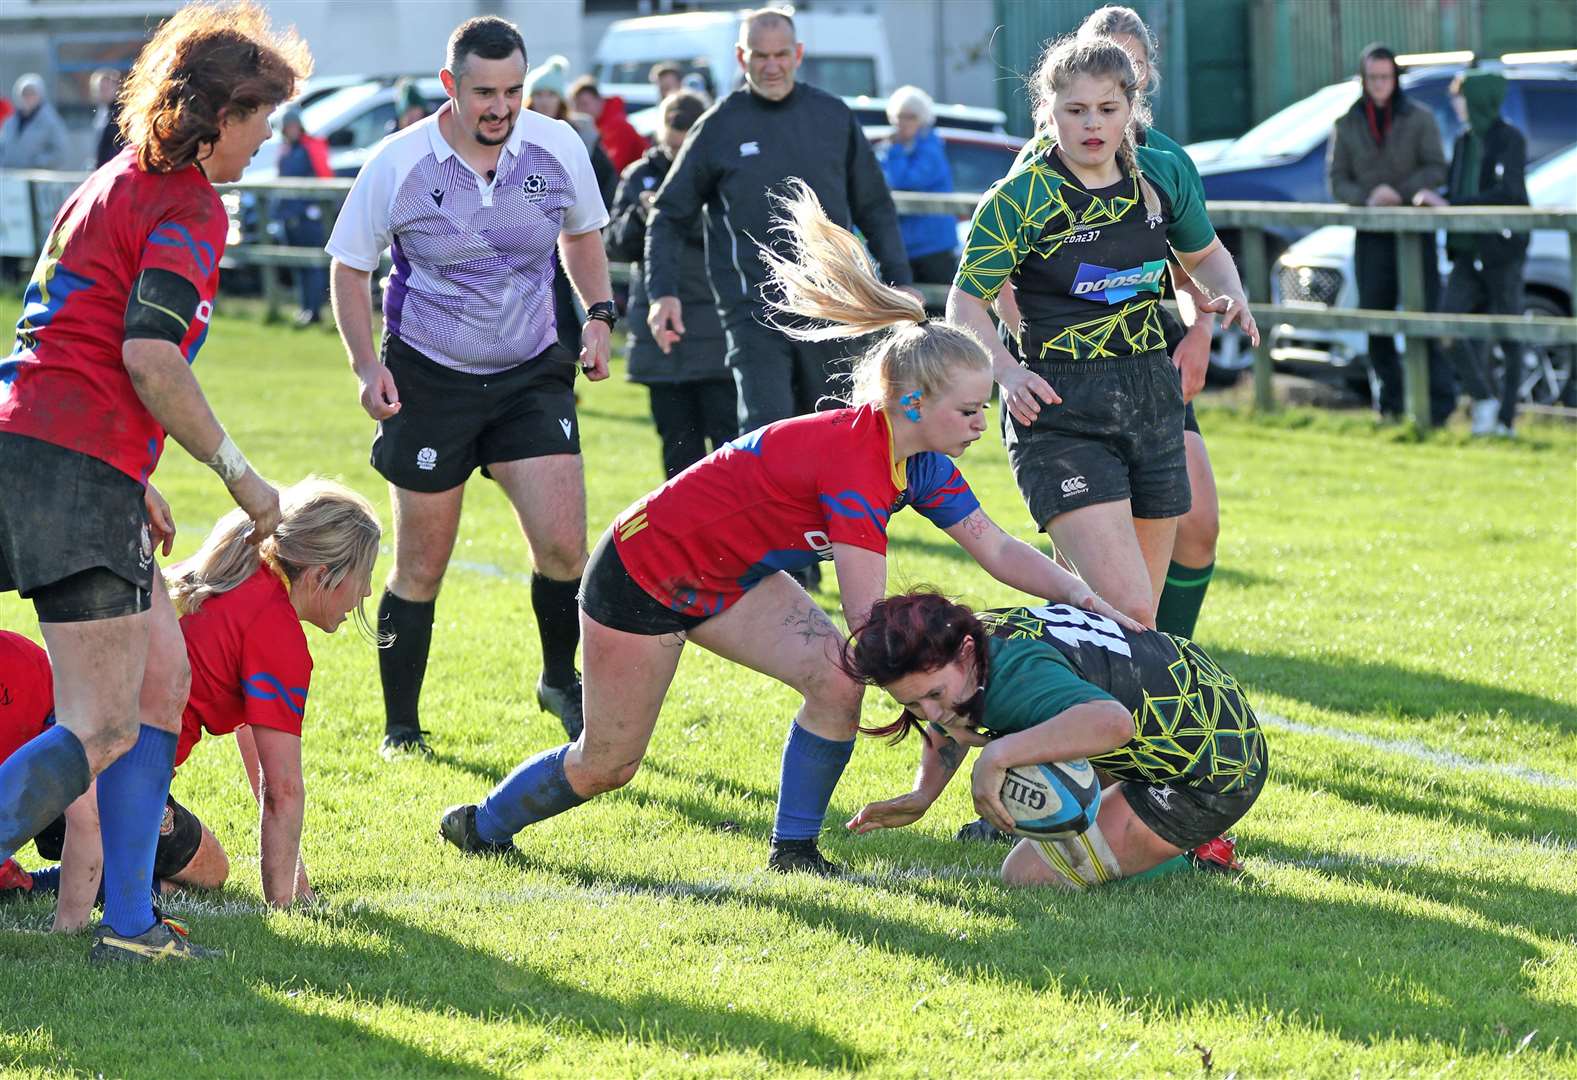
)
(451, 422)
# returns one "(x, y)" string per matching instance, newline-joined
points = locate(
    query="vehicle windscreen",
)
(1555, 182)
(1298, 128)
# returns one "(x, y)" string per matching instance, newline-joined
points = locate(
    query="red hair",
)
(912, 632)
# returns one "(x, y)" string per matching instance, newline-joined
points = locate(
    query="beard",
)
(487, 140)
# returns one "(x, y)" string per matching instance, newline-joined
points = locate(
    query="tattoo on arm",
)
(978, 525)
(950, 752)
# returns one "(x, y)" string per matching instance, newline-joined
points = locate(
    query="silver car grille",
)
(1309, 284)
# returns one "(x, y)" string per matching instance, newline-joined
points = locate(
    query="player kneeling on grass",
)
(241, 607)
(1056, 684)
(707, 557)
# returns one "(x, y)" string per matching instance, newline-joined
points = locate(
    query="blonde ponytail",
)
(825, 289)
(321, 523)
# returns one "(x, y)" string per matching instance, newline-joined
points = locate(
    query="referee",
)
(473, 201)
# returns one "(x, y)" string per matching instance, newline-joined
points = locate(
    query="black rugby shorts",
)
(180, 833)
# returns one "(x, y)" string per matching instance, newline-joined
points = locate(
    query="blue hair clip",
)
(911, 399)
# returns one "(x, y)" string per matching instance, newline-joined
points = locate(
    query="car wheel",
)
(1544, 371)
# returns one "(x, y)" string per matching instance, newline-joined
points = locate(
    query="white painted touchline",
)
(1419, 752)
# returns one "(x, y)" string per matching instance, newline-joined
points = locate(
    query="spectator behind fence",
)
(33, 137)
(1487, 169)
(692, 395)
(303, 155)
(1383, 151)
(667, 77)
(409, 105)
(107, 139)
(622, 143)
(739, 154)
(545, 90)
(913, 159)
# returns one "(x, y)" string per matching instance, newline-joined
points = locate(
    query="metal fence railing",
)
(28, 201)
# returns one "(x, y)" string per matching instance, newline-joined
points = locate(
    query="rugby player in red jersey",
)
(707, 557)
(112, 320)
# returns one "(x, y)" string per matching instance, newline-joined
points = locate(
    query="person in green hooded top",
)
(1487, 169)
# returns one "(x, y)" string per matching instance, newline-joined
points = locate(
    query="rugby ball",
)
(1051, 801)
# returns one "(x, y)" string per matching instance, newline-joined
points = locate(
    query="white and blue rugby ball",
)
(1052, 801)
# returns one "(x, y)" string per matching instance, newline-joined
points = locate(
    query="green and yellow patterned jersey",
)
(1192, 724)
(1088, 266)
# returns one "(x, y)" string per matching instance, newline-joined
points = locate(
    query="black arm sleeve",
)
(683, 193)
(162, 305)
(871, 206)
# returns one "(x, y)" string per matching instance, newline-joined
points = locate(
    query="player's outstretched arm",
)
(283, 795)
(1022, 567)
(862, 580)
(164, 382)
(940, 758)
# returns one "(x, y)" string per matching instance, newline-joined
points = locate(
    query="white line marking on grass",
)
(1419, 752)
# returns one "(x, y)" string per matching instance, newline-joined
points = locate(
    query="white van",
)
(844, 54)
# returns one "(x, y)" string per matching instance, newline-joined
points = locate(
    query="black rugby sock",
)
(558, 625)
(402, 663)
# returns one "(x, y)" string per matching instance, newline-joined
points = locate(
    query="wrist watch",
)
(603, 311)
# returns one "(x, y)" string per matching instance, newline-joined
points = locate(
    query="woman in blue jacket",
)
(915, 160)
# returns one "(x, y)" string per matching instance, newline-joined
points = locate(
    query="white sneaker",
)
(1485, 415)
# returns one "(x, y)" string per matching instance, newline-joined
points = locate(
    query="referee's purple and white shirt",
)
(472, 286)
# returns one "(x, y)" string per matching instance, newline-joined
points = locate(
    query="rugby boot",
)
(166, 939)
(565, 703)
(403, 743)
(801, 857)
(982, 831)
(15, 882)
(1219, 856)
(458, 827)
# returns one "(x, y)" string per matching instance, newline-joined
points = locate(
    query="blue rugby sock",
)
(37, 783)
(131, 806)
(811, 768)
(46, 880)
(535, 791)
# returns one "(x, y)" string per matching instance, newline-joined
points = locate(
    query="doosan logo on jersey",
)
(1102, 283)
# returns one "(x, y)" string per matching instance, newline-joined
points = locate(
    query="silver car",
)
(1317, 272)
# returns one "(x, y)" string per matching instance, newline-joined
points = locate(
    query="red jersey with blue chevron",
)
(250, 663)
(778, 499)
(65, 382)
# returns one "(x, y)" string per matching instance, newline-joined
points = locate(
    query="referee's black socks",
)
(402, 663)
(558, 624)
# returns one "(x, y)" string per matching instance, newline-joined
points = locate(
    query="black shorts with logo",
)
(451, 422)
(65, 513)
(1118, 434)
(180, 833)
(1186, 816)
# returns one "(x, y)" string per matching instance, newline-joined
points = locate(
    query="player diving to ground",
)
(706, 557)
(1027, 685)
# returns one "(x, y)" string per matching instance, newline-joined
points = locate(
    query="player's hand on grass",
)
(1234, 309)
(160, 521)
(986, 785)
(594, 349)
(378, 393)
(665, 319)
(260, 500)
(906, 809)
(1023, 391)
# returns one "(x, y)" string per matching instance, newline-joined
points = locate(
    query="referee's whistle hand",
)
(379, 397)
(595, 348)
(665, 319)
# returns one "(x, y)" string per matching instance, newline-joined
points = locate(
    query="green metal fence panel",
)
(1216, 69)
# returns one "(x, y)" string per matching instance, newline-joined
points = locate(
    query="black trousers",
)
(693, 419)
(1379, 289)
(937, 268)
(1488, 290)
(778, 377)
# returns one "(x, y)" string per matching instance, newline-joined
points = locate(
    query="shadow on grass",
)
(1381, 786)
(1350, 685)
(392, 960)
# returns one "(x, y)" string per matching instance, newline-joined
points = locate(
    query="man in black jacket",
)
(740, 152)
(1487, 169)
(692, 394)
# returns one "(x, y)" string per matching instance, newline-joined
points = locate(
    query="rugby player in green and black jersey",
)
(1084, 231)
(1176, 740)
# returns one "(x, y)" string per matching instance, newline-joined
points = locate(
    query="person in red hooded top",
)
(619, 138)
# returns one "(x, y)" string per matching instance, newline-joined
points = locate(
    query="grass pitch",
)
(1402, 613)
